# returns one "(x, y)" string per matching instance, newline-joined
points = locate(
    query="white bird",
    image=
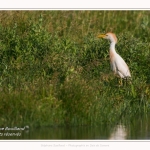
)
(118, 65)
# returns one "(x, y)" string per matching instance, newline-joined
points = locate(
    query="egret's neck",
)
(112, 46)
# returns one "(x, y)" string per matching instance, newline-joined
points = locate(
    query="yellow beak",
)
(101, 35)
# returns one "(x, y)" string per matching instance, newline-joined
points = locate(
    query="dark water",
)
(137, 128)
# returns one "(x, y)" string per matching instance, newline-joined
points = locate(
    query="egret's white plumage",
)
(117, 63)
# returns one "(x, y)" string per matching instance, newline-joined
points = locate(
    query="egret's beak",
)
(101, 35)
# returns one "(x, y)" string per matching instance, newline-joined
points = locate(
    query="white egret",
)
(118, 65)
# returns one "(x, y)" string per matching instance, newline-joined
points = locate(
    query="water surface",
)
(137, 128)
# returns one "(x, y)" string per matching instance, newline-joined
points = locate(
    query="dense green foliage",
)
(54, 71)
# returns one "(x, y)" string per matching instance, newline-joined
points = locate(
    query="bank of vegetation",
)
(55, 72)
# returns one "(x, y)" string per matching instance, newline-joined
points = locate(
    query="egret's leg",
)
(120, 82)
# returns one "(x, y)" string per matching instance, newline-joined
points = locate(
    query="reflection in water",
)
(135, 128)
(119, 133)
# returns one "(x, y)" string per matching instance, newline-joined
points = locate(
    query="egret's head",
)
(110, 36)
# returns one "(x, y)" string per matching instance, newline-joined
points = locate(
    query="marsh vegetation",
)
(55, 72)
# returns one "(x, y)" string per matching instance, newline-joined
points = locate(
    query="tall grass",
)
(55, 72)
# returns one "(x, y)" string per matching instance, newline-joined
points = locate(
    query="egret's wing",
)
(122, 66)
